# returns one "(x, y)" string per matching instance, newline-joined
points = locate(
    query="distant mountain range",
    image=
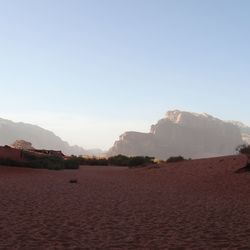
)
(179, 133)
(183, 133)
(40, 138)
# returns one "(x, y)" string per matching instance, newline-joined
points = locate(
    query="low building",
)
(48, 152)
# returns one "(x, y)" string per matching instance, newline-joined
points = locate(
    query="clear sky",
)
(91, 69)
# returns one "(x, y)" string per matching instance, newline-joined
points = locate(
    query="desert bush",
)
(102, 162)
(93, 161)
(119, 160)
(72, 162)
(10, 162)
(140, 160)
(46, 162)
(243, 149)
(49, 162)
(122, 160)
(175, 159)
(246, 168)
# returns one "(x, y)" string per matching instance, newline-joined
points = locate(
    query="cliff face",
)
(181, 133)
(39, 137)
(245, 131)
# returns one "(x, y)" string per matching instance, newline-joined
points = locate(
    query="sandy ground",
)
(199, 204)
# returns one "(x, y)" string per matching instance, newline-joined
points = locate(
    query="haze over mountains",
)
(39, 137)
(245, 131)
(188, 134)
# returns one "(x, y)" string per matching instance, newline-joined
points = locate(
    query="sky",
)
(90, 70)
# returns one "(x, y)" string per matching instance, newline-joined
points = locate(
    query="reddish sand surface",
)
(200, 204)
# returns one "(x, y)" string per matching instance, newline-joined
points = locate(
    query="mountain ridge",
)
(189, 134)
(39, 137)
(175, 120)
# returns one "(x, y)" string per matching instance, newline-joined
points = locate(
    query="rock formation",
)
(245, 131)
(181, 133)
(21, 144)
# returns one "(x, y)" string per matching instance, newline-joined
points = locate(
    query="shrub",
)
(175, 159)
(246, 168)
(49, 162)
(140, 160)
(72, 163)
(119, 160)
(10, 162)
(122, 160)
(46, 162)
(243, 149)
(93, 161)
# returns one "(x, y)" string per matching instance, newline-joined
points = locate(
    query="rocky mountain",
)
(244, 129)
(188, 134)
(39, 137)
(21, 144)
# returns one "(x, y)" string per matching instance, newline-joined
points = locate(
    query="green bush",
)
(140, 160)
(46, 162)
(175, 159)
(119, 160)
(72, 163)
(49, 162)
(10, 162)
(243, 149)
(93, 161)
(122, 160)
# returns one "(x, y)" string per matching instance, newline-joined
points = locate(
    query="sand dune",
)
(201, 204)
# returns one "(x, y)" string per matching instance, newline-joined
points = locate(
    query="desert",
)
(124, 125)
(194, 204)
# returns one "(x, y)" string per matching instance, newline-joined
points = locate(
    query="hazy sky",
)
(91, 69)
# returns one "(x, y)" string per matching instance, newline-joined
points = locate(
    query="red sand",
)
(199, 204)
